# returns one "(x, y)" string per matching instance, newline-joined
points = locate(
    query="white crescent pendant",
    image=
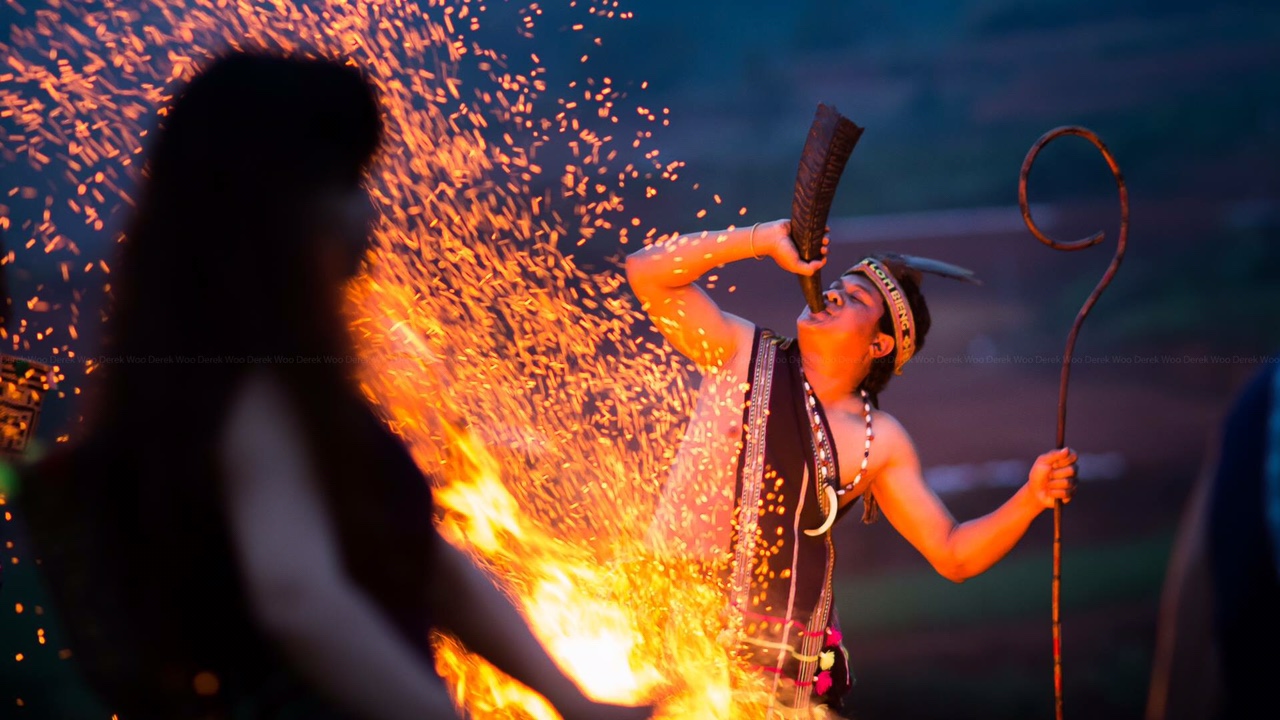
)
(833, 504)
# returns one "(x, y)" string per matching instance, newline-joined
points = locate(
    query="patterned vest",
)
(780, 580)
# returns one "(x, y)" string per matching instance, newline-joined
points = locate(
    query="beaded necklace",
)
(825, 452)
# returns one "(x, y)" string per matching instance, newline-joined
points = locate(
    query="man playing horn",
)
(787, 435)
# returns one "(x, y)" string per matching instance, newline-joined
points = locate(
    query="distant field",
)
(1015, 589)
(923, 647)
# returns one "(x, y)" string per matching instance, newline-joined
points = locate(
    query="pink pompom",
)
(834, 637)
(822, 683)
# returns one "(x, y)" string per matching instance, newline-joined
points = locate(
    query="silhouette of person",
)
(1219, 623)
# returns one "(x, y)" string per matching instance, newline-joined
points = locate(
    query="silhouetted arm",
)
(664, 278)
(298, 592)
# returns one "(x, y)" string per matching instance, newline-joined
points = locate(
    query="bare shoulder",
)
(891, 441)
(743, 329)
(742, 335)
(259, 417)
(259, 390)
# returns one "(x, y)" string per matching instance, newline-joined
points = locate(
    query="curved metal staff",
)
(1071, 343)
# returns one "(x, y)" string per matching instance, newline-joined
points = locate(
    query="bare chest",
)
(857, 458)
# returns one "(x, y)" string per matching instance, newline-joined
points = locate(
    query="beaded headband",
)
(904, 323)
(885, 271)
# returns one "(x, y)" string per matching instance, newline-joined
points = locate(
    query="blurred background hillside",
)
(952, 94)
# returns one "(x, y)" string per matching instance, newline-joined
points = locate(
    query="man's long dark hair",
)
(219, 273)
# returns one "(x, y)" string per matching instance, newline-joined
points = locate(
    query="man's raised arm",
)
(664, 275)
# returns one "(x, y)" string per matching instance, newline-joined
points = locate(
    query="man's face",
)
(850, 322)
